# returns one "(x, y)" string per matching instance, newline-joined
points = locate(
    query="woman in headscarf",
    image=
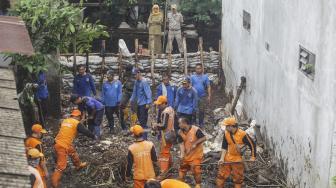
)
(155, 22)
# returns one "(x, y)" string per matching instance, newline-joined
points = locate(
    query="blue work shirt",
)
(141, 92)
(171, 92)
(91, 103)
(111, 93)
(42, 89)
(83, 85)
(200, 83)
(186, 100)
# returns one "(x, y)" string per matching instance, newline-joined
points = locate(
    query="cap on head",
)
(136, 130)
(231, 121)
(34, 153)
(110, 73)
(173, 6)
(73, 98)
(186, 80)
(161, 100)
(135, 71)
(37, 128)
(76, 113)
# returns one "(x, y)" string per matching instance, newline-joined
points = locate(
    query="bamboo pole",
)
(152, 62)
(169, 64)
(119, 62)
(74, 57)
(185, 56)
(87, 62)
(136, 49)
(103, 45)
(200, 47)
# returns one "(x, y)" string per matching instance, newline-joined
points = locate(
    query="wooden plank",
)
(200, 47)
(74, 58)
(136, 47)
(9, 84)
(185, 56)
(6, 74)
(8, 98)
(152, 63)
(103, 45)
(169, 64)
(11, 124)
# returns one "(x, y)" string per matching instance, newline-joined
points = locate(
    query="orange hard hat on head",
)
(76, 113)
(171, 183)
(34, 153)
(161, 100)
(37, 128)
(136, 130)
(231, 121)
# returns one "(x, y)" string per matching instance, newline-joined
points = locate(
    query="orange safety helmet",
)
(76, 113)
(136, 130)
(37, 128)
(230, 121)
(161, 100)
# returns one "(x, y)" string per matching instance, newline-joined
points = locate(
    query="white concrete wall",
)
(297, 114)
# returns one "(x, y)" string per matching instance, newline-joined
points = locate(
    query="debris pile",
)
(264, 172)
(211, 63)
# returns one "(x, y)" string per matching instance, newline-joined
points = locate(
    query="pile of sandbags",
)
(211, 63)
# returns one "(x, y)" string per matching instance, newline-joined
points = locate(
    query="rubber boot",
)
(55, 178)
(237, 185)
(81, 165)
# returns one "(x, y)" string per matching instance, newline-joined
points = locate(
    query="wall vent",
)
(307, 62)
(247, 21)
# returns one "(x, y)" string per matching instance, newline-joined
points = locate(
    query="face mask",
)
(34, 162)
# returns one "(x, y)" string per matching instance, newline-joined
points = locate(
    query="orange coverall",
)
(32, 142)
(233, 155)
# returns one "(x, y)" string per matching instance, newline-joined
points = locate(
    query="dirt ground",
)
(107, 158)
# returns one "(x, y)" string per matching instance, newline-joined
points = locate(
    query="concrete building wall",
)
(297, 114)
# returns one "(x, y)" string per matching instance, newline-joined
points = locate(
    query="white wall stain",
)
(297, 114)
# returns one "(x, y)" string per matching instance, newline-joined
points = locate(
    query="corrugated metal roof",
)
(14, 36)
(13, 162)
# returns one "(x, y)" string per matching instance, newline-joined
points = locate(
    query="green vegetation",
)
(208, 12)
(53, 26)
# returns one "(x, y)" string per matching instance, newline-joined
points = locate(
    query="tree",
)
(206, 12)
(52, 25)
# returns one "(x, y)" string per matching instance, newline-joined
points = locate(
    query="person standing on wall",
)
(201, 83)
(186, 100)
(111, 97)
(231, 160)
(155, 22)
(142, 96)
(83, 84)
(41, 97)
(175, 20)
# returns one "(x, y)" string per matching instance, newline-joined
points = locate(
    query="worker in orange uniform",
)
(34, 141)
(166, 127)
(141, 156)
(34, 157)
(64, 148)
(167, 183)
(231, 161)
(171, 183)
(190, 138)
